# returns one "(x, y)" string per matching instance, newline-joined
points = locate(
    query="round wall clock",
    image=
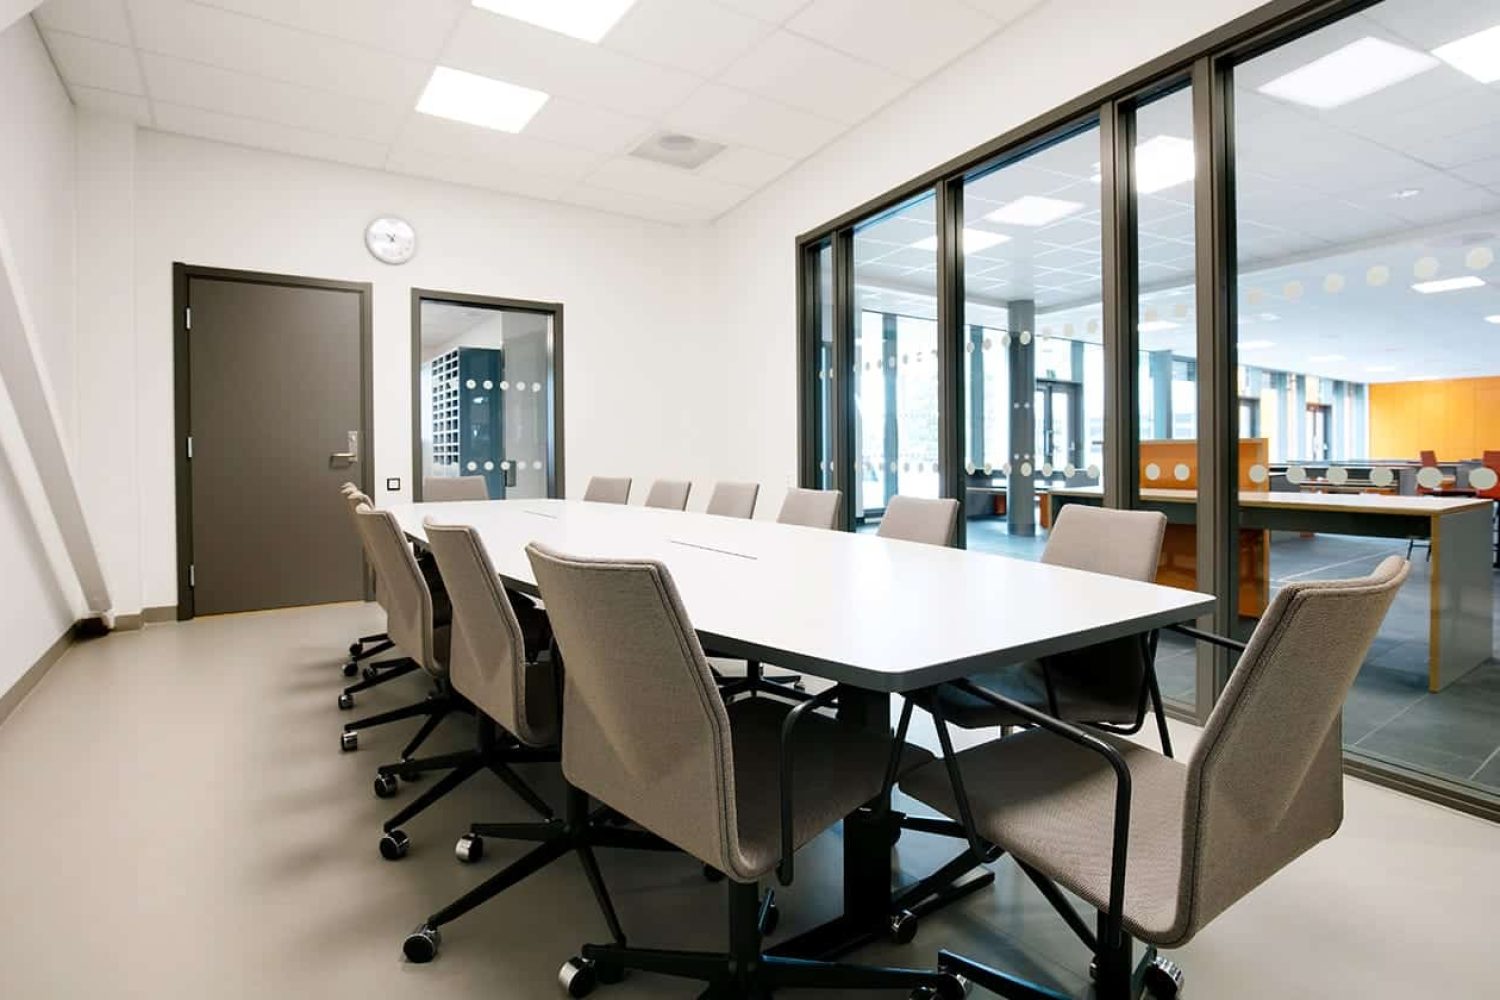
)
(391, 240)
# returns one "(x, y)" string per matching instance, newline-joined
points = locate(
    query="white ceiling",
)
(774, 80)
(1316, 213)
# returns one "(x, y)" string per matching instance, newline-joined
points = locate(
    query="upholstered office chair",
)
(379, 642)
(669, 494)
(411, 624)
(733, 499)
(812, 508)
(915, 519)
(1111, 683)
(603, 489)
(646, 732)
(502, 664)
(1161, 847)
(444, 489)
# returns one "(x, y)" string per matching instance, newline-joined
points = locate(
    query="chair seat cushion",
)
(838, 768)
(1098, 684)
(1050, 803)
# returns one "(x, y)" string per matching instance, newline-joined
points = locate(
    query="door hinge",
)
(188, 318)
(190, 447)
(192, 575)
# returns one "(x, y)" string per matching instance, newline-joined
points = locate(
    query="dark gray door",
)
(276, 406)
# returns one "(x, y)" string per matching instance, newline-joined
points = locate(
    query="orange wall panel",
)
(1457, 418)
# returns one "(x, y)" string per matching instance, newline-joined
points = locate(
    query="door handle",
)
(349, 457)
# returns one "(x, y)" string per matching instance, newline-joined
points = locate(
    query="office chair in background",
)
(669, 494)
(602, 489)
(733, 499)
(446, 489)
(915, 519)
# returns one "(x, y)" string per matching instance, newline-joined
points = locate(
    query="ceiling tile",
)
(415, 28)
(1003, 11)
(806, 75)
(773, 11)
(911, 37)
(495, 151)
(198, 86)
(738, 118)
(688, 35)
(573, 123)
(267, 135)
(90, 63)
(634, 176)
(475, 172)
(108, 102)
(101, 19)
(747, 167)
(250, 45)
(510, 50)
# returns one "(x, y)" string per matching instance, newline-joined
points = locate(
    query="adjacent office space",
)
(840, 389)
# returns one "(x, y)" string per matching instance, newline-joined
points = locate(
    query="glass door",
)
(1059, 443)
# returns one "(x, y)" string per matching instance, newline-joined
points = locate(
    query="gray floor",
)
(179, 823)
(1390, 715)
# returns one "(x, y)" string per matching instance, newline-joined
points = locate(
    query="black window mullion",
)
(1121, 305)
(845, 476)
(950, 346)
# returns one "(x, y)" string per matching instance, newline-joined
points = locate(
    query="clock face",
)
(391, 240)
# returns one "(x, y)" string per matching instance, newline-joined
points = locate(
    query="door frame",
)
(182, 397)
(556, 481)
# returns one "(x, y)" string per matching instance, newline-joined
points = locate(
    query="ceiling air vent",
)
(678, 150)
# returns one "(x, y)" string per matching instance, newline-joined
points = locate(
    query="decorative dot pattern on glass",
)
(1338, 475)
(1182, 472)
(1483, 478)
(1153, 472)
(1296, 475)
(1258, 473)
(1382, 476)
(1430, 476)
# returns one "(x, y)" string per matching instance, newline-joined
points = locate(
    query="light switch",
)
(393, 484)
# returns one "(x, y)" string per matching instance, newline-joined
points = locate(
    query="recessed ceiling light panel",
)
(1493, 319)
(974, 240)
(1034, 210)
(1157, 325)
(479, 100)
(1357, 70)
(1477, 55)
(589, 20)
(1448, 284)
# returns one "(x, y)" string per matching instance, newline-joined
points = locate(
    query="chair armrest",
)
(1074, 734)
(1208, 637)
(784, 868)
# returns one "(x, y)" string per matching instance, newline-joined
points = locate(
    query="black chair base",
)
(744, 970)
(435, 708)
(1153, 976)
(578, 833)
(365, 647)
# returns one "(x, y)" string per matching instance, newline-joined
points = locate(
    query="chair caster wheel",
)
(421, 945)
(469, 849)
(712, 874)
(951, 987)
(903, 927)
(386, 786)
(770, 917)
(351, 668)
(1163, 979)
(346, 701)
(577, 977)
(349, 741)
(354, 649)
(394, 845)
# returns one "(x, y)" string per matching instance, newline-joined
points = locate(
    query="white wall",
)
(39, 598)
(1051, 55)
(634, 353)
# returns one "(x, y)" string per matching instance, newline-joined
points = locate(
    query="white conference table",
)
(876, 615)
(882, 615)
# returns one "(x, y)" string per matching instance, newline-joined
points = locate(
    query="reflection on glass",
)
(1370, 365)
(895, 371)
(1033, 355)
(484, 400)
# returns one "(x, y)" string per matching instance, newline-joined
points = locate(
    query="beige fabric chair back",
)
(487, 660)
(1125, 543)
(644, 727)
(733, 499)
(602, 489)
(669, 494)
(812, 508)
(442, 489)
(915, 519)
(408, 602)
(1265, 781)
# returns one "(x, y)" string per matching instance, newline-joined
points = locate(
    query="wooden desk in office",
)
(876, 615)
(1462, 579)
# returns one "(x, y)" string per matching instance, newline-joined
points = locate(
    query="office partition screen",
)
(1248, 285)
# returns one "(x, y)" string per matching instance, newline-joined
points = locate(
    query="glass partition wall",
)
(1251, 286)
(487, 397)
